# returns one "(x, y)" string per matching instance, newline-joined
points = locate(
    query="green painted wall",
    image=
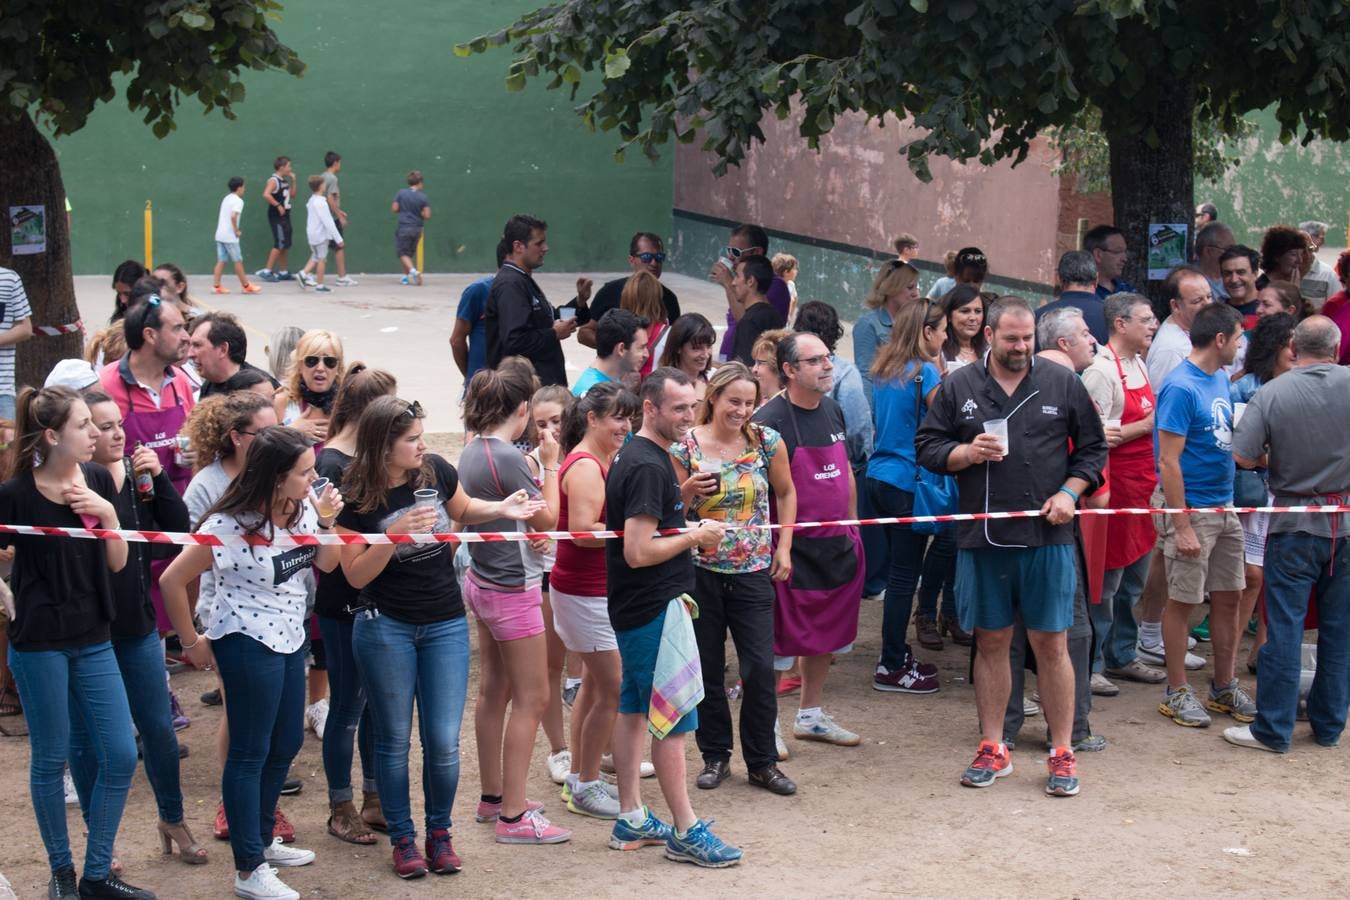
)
(385, 90)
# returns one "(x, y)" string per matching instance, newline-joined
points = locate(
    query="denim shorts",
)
(228, 252)
(638, 648)
(1038, 581)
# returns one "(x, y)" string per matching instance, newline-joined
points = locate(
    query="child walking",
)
(412, 209)
(227, 239)
(319, 230)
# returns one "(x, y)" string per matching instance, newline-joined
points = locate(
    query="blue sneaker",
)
(285, 276)
(651, 833)
(266, 275)
(702, 848)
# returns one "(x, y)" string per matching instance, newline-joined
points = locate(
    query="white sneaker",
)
(594, 800)
(1242, 736)
(646, 770)
(305, 279)
(559, 764)
(72, 796)
(1154, 656)
(316, 717)
(346, 281)
(1030, 707)
(278, 854)
(263, 884)
(778, 743)
(826, 730)
(415, 276)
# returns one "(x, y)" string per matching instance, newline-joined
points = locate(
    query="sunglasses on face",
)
(328, 361)
(737, 252)
(652, 257)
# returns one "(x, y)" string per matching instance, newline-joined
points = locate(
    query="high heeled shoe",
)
(189, 851)
(948, 626)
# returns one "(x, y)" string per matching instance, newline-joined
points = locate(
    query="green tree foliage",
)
(982, 77)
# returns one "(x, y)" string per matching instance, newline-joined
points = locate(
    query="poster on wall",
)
(1166, 248)
(28, 230)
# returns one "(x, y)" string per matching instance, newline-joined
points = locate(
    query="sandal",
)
(346, 824)
(189, 851)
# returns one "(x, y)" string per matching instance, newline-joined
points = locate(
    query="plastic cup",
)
(567, 313)
(1112, 423)
(709, 467)
(999, 429)
(426, 498)
(321, 504)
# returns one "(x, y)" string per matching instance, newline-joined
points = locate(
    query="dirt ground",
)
(1164, 811)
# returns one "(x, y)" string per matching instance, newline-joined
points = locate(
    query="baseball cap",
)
(75, 374)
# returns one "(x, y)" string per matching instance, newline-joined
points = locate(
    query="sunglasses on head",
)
(652, 257)
(414, 411)
(737, 252)
(329, 361)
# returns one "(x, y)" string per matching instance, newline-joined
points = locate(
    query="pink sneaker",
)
(488, 812)
(532, 828)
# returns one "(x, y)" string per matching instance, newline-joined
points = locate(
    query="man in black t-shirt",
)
(218, 349)
(645, 571)
(750, 304)
(646, 253)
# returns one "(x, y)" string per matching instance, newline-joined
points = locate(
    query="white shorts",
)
(582, 622)
(318, 252)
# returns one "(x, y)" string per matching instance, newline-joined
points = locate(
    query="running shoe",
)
(1201, 631)
(219, 289)
(825, 730)
(441, 855)
(907, 680)
(1063, 780)
(651, 833)
(266, 275)
(1154, 655)
(701, 847)
(991, 761)
(531, 828)
(490, 812)
(408, 859)
(646, 770)
(180, 718)
(593, 800)
(559, 764)
(322, 289)
(252, 288)
(404, 280)
(1233, 699)
(285, 276)
(1093, 743)
(346, 281)
(1242, 736)
(1182, 707)
(1030, 707)
(569, 694)
(282, 829)
(316, 717)
(778, 743)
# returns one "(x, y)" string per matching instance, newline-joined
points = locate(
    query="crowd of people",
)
(705, 459)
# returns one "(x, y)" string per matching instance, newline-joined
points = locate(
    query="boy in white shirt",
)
(319, 230)
(227, 239)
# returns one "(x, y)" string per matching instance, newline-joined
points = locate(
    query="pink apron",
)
(816, 609)
(157, 430)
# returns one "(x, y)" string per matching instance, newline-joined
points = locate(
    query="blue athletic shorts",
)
(637, 652)
(1039, 581)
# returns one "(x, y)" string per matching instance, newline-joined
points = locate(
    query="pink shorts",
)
(510, 614)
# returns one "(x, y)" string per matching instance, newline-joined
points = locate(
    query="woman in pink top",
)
(594, 429)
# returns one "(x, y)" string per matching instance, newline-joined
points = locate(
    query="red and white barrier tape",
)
(55, 330)
(212, 540)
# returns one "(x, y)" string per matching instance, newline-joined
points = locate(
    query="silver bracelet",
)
(193, 644)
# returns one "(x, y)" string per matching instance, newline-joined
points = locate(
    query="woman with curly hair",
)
(1283, 255)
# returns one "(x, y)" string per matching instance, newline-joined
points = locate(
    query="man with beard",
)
(1003, 427)
(645, 572)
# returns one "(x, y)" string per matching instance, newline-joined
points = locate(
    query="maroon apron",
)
(1133, 478)
(816, 609)
(157, 429)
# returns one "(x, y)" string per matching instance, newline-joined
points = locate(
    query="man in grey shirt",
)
(332, 164)
(1296, 426)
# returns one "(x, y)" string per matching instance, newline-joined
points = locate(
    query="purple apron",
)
(816, 609)
(157, 430)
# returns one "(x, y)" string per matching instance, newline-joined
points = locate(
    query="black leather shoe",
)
(64, 885)
(112, 888)
(772, 779)
(292, 786)
(715, 771)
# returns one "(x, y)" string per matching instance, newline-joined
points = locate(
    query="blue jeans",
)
(141, 661)
(906, 555)
(265, 708)
(1296, 563)
(1115, 630)
(53, 685)
(348, 716)
(398, 662)
(876, 545)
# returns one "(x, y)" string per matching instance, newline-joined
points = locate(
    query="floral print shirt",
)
(741, 498)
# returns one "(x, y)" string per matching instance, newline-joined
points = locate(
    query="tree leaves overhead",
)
(980, 77)
(59, 58)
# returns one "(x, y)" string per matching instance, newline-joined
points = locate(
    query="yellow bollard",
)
(419, 254)
(149, 236)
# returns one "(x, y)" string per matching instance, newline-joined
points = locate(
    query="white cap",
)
(75, 374)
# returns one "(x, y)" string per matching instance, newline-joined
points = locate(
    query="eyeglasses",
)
(813, 360)
(652, 257)
(766, 363)
(414, 411)
(329, 361)
(737, 252)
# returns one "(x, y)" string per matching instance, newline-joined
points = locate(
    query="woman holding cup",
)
(255, 633)
(411, 640)
(730, 464)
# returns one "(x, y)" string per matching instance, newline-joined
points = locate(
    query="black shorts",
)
(334, 245)
(281, 229)
(405, 241)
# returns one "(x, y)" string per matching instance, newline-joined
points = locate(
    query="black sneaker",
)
(64, 885)
(112, 888)
(292, 786)
(715, 771)
(211, 698)
(772, 779)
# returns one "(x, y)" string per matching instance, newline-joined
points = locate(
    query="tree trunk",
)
(1154, 184)
(30, 176)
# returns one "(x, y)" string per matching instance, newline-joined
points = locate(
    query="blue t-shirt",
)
(893, 454)
(1199, 406)
(471, 305)
(589, 379)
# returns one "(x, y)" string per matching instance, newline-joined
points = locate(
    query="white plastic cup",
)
(709, 467)
(321, 506)
(999, 429)
(426, 498)
(567, 313)
(1112, 423)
